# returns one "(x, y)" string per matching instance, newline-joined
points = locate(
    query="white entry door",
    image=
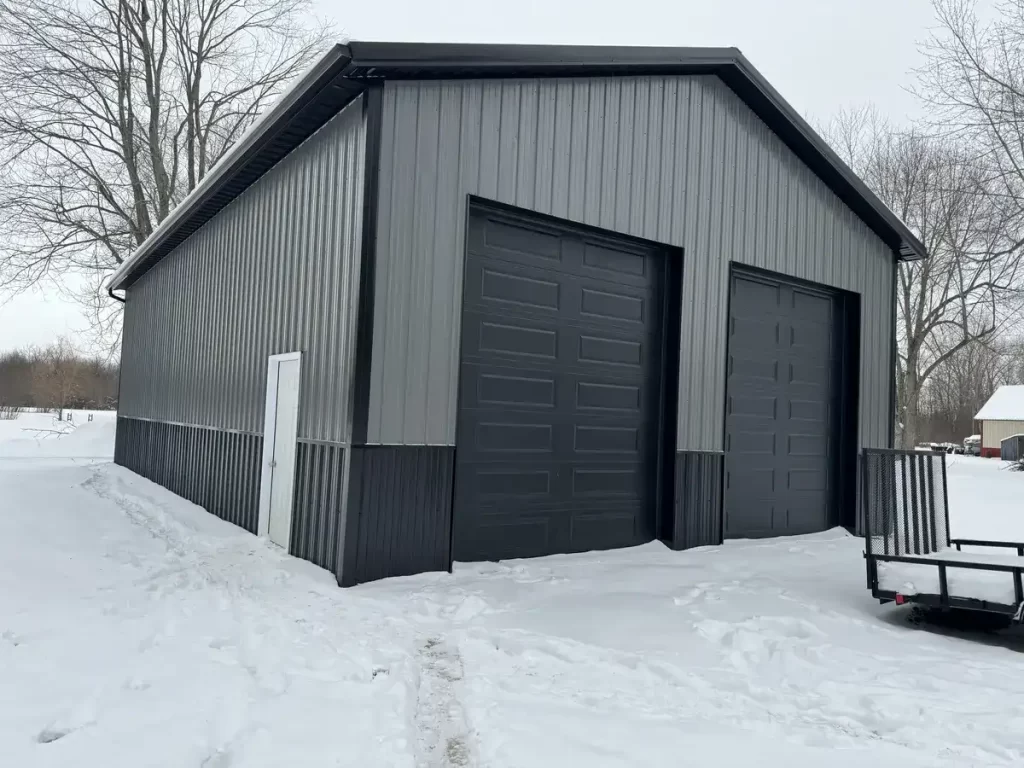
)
(280, 434)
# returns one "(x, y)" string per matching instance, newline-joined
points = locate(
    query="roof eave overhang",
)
(345, 71)
(316, 96)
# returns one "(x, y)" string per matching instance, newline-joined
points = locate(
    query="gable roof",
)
(1007, 404)
(347, 70)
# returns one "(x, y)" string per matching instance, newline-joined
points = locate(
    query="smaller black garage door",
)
(560, 388)
(782, 408)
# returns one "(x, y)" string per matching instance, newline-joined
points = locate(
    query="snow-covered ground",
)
(137, 630)
(42, 435)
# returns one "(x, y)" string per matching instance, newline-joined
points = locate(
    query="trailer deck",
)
(909, 553)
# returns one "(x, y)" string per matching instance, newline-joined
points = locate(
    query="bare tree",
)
(58, 375)
(973, 84)
(114, 110)
(16, 378)
(959, 387)
(967, 291)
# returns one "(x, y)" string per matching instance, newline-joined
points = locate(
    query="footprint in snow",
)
(51, 734)
(219, 759)
(11, 638)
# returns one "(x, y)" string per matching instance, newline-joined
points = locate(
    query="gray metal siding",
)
(678, 160)
(276, 271)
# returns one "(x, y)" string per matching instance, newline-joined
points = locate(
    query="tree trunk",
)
(910, 411)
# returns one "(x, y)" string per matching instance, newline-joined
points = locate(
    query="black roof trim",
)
(342, 74)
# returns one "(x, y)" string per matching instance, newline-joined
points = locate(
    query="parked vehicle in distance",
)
(972, 445)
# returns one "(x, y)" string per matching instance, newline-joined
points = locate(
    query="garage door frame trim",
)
(671, 317)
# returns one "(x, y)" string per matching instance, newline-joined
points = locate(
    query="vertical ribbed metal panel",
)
(276, 271)
(698, 504)
(216, 469)
(399, 512)
(679, 160)
(319, 501)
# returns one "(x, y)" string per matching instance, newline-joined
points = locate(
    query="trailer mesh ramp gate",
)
(910, 555)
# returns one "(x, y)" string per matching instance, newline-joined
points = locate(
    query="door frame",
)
(847, 372)
(671, 316)
(270, 436)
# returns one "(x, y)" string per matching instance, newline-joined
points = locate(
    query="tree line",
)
(56, 377)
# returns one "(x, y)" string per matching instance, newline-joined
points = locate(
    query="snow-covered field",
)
(137, 630)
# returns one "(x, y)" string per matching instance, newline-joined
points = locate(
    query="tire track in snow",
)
(442, 733)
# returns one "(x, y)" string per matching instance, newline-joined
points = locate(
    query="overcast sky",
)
(821, 55)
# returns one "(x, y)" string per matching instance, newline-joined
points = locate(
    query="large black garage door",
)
(560, 380)
(782, 408)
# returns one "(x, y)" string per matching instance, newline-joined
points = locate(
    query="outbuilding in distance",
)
(1001, 417)
(473, 302)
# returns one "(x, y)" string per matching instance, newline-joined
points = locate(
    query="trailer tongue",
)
(909, 553)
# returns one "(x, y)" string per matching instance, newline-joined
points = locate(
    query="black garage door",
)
(560, 379)
(782, 408)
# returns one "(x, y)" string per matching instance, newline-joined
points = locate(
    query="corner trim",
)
(360, 398)
(894, 352)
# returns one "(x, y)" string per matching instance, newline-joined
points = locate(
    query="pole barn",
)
(474, 302)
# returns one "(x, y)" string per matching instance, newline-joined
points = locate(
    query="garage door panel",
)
(605, 531)
(763, 334)
(514, 537)
(508, 388)
(811, 342)
(613, 393)
(613, 258)
(528, 291)
(515, 339)
(811, 308)
(517, 240)
(816, 374)
(508, 238)
(539, 532)
(757, 443)
(516, 482)
(608, 395)
(757, 406)
(754, 298)
(531, 293)
(809, 445)
(601, 348)
(809, 479)
(809, 412)
(781, 429)
(755, 480)
(513, 437)
(558, 428)
(513, 483)
(599, 439)
(495, 435)
(537, 343)
(755, 370)
(593, 481)
(753, 522)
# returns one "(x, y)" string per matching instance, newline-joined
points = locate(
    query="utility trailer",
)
(910, 555)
